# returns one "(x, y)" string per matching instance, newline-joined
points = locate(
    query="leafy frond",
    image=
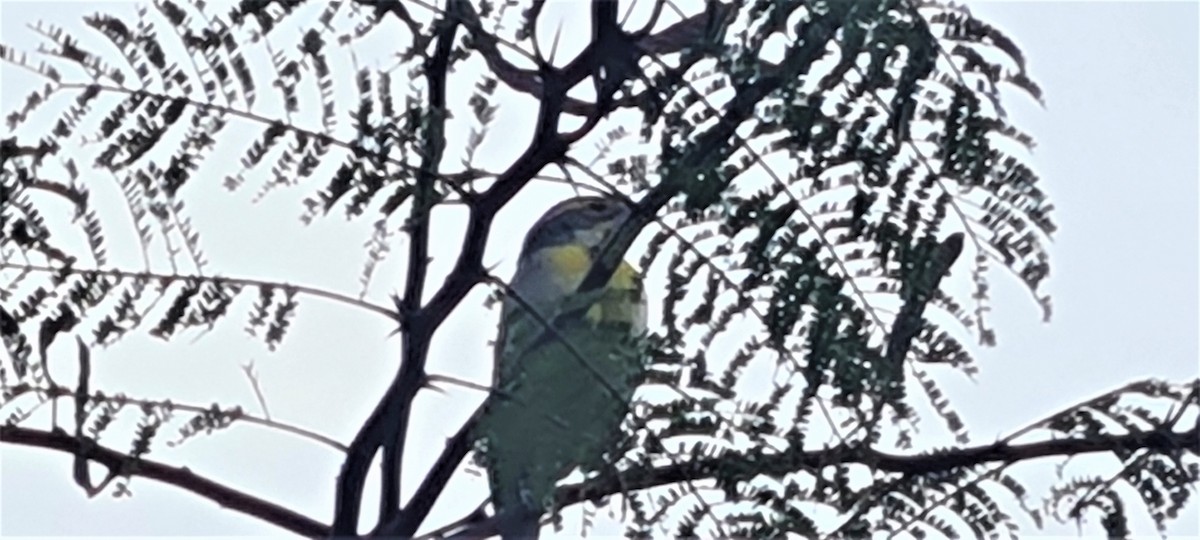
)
(832, 189)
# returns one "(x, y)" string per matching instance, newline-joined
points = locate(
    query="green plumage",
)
(555, 413)
(556, 406)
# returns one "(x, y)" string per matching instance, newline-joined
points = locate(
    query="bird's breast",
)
(567, 266)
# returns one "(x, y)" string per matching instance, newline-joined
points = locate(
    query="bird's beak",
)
(618, 222)
(625, 213)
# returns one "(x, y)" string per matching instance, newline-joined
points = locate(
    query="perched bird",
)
(560, 394)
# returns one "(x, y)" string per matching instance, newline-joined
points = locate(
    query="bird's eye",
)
(597, 206)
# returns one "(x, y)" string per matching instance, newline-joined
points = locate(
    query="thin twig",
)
(55, 392)
(248, 369)
(246, 282)
(181, 477)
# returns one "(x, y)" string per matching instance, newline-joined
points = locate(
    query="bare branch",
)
(437, 67)
(735, 466)
(302, 289)
(180, 477)
(236, 414)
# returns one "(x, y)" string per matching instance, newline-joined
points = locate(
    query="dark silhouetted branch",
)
(180, 477)
(437, 67)
(736, 466)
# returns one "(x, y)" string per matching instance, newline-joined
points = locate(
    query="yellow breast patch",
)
(571, 264)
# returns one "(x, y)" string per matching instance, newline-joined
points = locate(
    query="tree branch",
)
(180, 477)
(437, 67)
(743, 467)
(245, 282)
(669, 40)
(734, 466)
(236, 414)
(457, 446)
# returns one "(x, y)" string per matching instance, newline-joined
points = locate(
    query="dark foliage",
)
(810, 178)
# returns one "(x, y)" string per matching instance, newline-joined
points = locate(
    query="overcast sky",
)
(1118, 151)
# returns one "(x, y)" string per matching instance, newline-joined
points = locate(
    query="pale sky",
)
(1117, 152)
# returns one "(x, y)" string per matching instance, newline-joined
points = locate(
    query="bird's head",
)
(587, 222)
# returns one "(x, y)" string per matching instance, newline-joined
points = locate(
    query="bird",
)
(559, 394)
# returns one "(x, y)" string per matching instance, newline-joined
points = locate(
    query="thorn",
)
(430, 382)
(401, 316)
